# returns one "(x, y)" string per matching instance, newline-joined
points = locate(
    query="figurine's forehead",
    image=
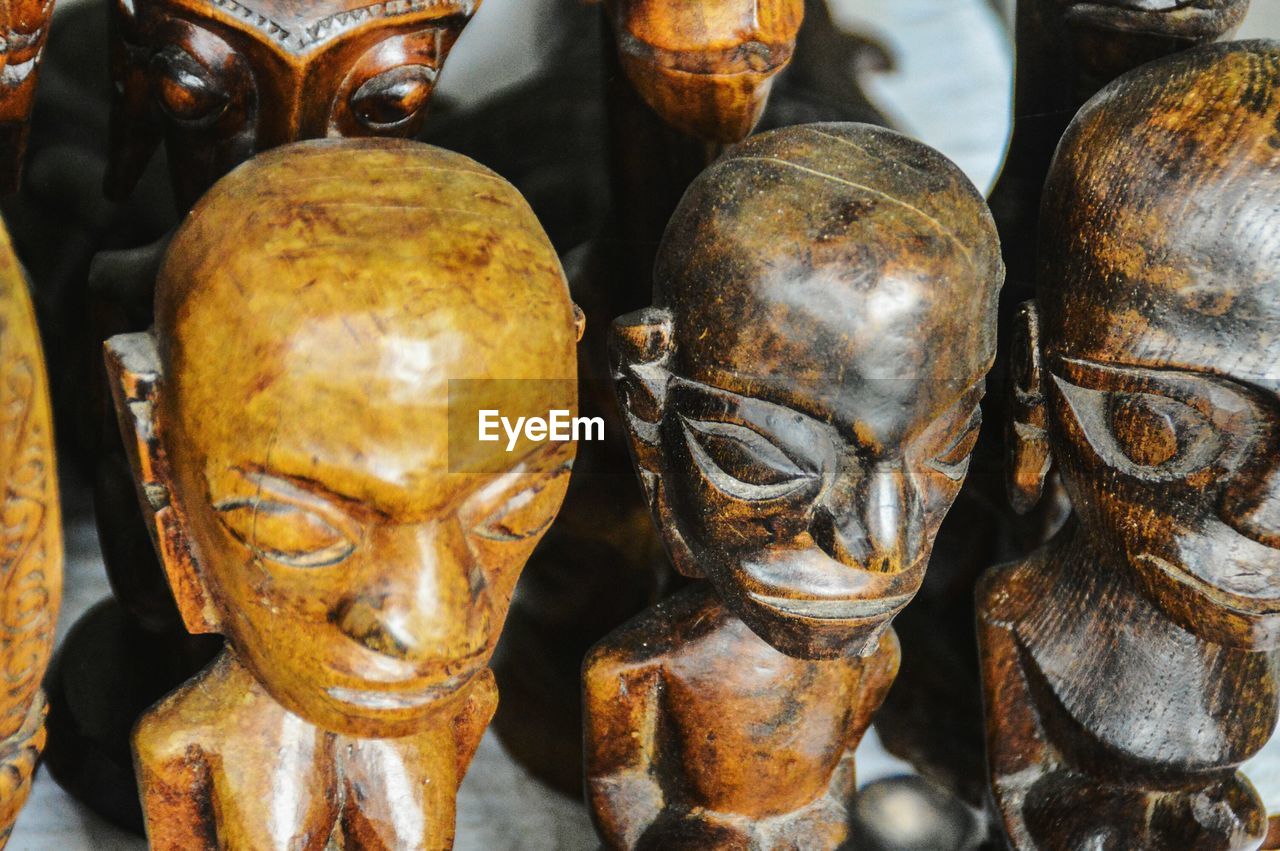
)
(297, 26)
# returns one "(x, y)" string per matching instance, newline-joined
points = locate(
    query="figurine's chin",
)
(721, 108)
(817, 636)
(1208, 610)
(1192, 20)
(384, 711)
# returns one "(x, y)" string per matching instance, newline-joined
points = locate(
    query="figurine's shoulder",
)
(189, 719)
(1005, 592)
(660, 631)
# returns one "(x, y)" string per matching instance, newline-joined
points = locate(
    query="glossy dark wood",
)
(298, 465)
(218, 80)
(799, 434)
(1129, 665)
(1066, 50)
(30, 539)
(24, 29)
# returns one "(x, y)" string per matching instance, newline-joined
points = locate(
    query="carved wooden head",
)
(24, 27)
(219, 80)
(706, 68)
(803, 396)
(1155, 376)
(291, 419)
(1109, 37)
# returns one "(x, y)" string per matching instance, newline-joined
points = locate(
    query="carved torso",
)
(257, 776)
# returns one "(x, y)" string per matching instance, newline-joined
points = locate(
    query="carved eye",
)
(741, 462)
(526, 513)
(284, 533)
(1144, 435)
(393, 97)
(187, 91)
(954, 461)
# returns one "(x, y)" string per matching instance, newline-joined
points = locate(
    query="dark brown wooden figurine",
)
(302, 425)
(800, 431)
(24, 28)
(221, 79)
(30, 539)
(1129, 665)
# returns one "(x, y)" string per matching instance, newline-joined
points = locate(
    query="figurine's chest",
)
(758, 731)
(320, 792)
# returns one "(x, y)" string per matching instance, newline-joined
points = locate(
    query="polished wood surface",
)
(24, 29)
(1129, 665)
(799, 437)
(294, 455)
(30, 539)
(218, 80)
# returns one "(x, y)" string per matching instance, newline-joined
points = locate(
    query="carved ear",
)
(640, 350)
(135, 375)
(1026, 438)
(135, 128)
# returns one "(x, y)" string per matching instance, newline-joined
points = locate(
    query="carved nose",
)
(1255, 511)
(871, 526)
(424, 602)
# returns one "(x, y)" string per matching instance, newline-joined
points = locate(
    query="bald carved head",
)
(823, 320)
(1159, 304)
(311, 344)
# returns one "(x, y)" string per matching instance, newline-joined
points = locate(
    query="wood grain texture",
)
(799, 437)
(30, 539)
(289, 429)
(1129, 666)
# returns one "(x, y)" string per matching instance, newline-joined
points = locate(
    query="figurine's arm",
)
(176, 794)
(622, 713)
(473, 718)
(878, 673)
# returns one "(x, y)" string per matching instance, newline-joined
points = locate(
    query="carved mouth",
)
(834, 610)
(388, 700)
(1249, 607)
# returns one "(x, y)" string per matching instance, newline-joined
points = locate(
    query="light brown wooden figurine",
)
(1129, 665)
(800, 430)
(24, 28)
(221, 79)
(303, 423)
(30, 539)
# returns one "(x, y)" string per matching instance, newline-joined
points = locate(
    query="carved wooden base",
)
(107, 673)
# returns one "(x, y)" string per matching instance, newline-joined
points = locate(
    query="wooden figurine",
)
(1129, 665)
(30, 539)
(800, 430)
(1066, 51)
(305, 450)
(24, 29)
(219, 80)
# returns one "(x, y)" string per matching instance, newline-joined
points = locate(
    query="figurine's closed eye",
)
(1146, 435)
(187, 91)
(953, 462)
(393, 97)
(741, 462)
(527, 512)
(282, 532)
